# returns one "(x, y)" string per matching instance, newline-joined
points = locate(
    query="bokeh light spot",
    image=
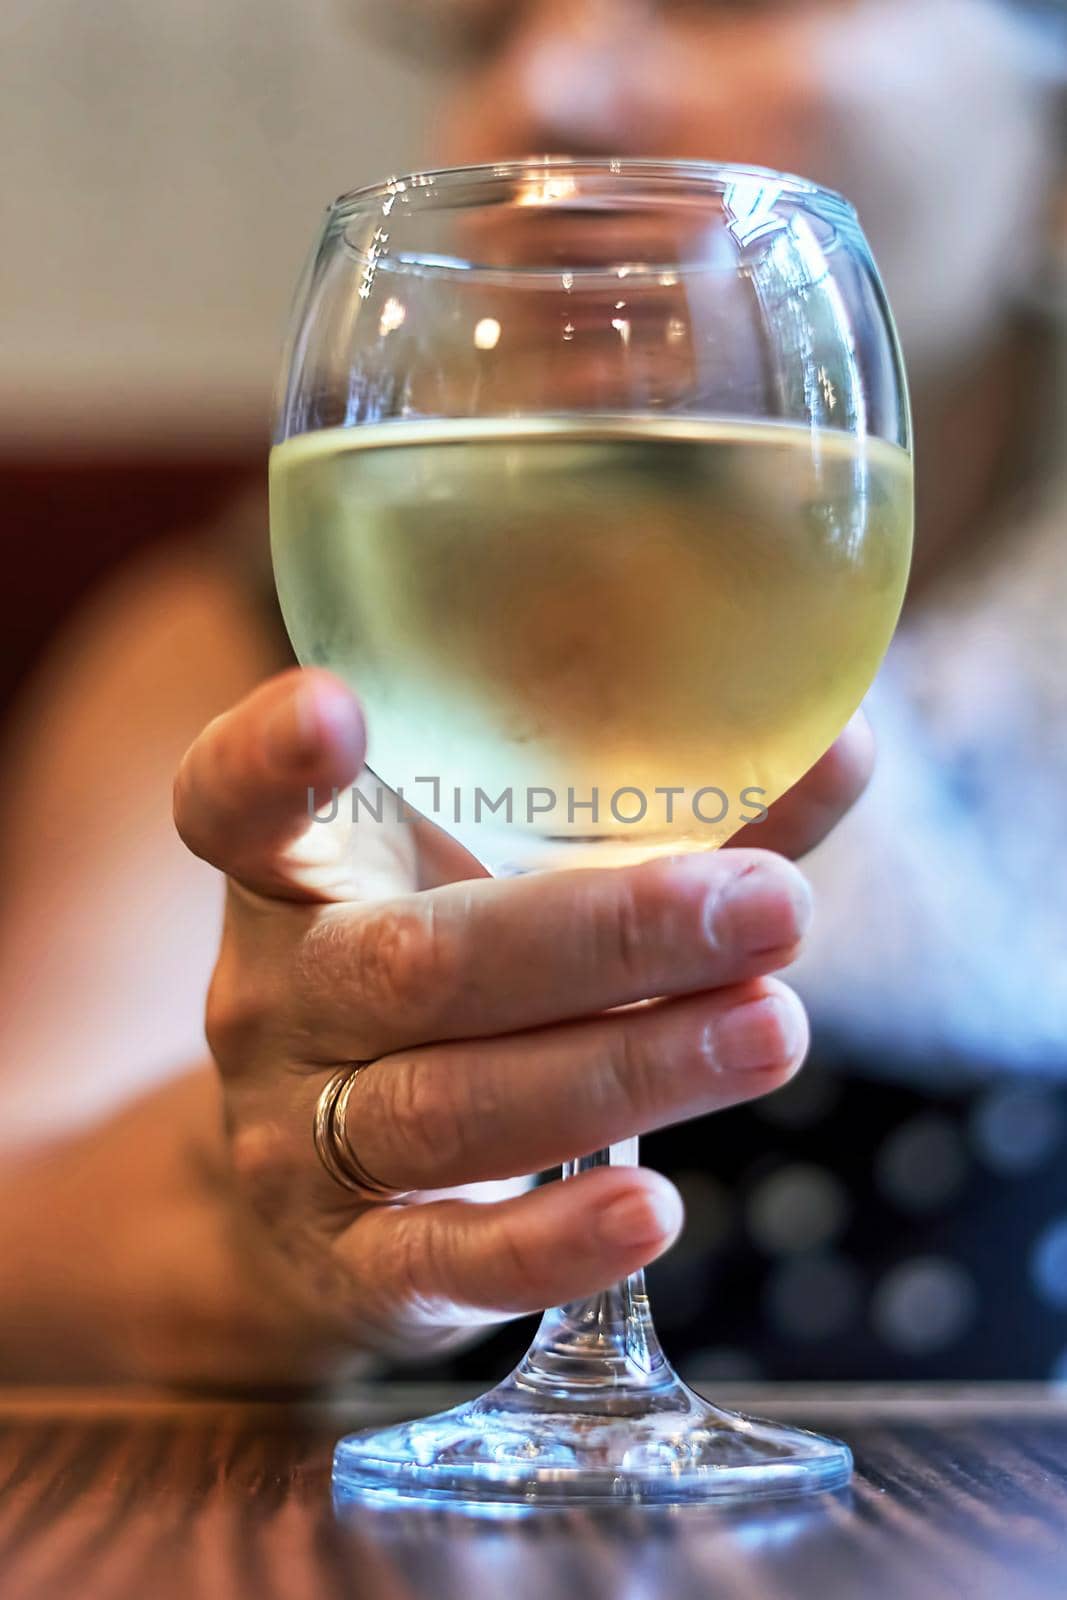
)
(923, 1304)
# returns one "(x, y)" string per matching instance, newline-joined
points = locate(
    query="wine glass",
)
(593, 478)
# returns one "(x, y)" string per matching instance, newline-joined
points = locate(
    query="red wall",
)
(65, 523)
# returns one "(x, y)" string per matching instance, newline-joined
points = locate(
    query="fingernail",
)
(764, 908)
(765, 1033)
(641, 1217)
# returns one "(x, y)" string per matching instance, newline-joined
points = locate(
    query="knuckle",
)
(623, 931)
(261, 1156)
(249, 999)
(322, 956)
(407, 962)
(518, 1267)
(414, 1262)
(266, 1159)
(422, 1110)
(420, 1268)
(235, 1017)
(635, 1071)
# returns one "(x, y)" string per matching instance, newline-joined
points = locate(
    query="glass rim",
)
(375, 202)
(716, 175)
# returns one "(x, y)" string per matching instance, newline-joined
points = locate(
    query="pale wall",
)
(162, 163)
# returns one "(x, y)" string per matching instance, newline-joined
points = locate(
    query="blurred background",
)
(162, 165)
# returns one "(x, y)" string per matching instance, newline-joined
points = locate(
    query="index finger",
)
(492, 956)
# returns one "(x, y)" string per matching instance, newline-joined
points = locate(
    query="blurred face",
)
(924, 112)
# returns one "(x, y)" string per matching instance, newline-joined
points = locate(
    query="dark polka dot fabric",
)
(858, 1230)
(868, 1231)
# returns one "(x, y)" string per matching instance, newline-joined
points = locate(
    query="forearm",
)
(123, 1255)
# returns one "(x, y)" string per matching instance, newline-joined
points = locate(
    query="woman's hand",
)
(490, 1012)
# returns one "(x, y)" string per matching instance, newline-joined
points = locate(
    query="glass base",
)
(520, 1445)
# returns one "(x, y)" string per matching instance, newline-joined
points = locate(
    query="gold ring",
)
(332, 1143)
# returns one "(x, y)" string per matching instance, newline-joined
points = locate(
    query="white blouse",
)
(940, 940)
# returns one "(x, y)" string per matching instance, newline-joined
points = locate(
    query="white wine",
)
(600, 637)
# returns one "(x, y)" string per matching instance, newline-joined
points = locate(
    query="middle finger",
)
(467, 1113)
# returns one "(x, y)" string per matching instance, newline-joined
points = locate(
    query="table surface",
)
(959, 1493)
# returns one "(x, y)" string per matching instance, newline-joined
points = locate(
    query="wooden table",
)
(960, 1493)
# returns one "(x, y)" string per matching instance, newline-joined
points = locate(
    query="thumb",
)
(241, 794)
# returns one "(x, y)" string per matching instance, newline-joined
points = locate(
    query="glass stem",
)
(606, 1342)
